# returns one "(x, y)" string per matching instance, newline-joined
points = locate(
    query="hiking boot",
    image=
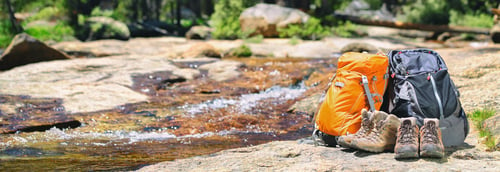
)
(366, 127)
(431, 144)
(407, 139)
(383, 135)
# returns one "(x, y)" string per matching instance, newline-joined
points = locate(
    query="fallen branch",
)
(424, 27)
(495, 11)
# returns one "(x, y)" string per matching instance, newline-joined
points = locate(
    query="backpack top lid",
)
(415, 61)
(367, 64)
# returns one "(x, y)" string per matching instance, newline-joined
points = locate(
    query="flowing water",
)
(182, 119)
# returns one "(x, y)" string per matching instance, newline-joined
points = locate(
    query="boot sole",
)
(378, 150)
(431, 154)
(404, 155)
(344, 144)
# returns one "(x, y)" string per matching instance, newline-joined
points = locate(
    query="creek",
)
(183, 118)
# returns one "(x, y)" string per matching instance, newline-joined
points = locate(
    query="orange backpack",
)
(340, 111)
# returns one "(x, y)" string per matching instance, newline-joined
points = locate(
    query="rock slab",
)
(25, 49)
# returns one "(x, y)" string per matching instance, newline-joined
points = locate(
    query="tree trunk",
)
(178, 11)
(17, 28)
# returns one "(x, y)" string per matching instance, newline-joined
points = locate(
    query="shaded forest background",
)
(61, 20)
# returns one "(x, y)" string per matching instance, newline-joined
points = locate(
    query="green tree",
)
(225, 19)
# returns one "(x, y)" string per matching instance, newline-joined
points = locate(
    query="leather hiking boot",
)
(383, 135)
(407, 139)
(431, 144)
(366, 127)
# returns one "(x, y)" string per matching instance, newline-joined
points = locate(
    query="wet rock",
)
(265, 19)
(359, 47)
(27, 152)
(87, 85)
(150, 83)
(193, 63)
(104, 28)
(307, 105)
(25, 49)
(199, 32)
(34, 114)
(201, 50)
(222, 70)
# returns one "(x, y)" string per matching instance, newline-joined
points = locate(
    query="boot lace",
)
(365, 125)
(407, 133)
(430, 133)
(374, 135)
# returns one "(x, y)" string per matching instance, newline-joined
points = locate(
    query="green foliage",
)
(122, 11)
(5, 33)
(254, 39)
(60, 32)
(47, 13)
(472, 20)
(36, 5)
(374, 4)
(334, 4)
(242, 51)
(427, 12)
(312, 29)
(478, 117)
(225, 19)
(98, 12)
(294, 40)
(345, 29)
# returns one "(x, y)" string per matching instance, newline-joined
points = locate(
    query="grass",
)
(294, 40)
(242, 51)
(478, 117)
(254, 39)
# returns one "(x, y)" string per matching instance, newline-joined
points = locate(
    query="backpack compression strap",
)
(364, 80)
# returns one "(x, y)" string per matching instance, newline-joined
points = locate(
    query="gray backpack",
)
(421, 87)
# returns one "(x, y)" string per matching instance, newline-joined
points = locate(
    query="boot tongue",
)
(430, 132)
(406, 131)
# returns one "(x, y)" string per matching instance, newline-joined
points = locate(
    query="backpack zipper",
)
(440, 104)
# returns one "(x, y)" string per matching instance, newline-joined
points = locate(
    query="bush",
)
(346, 29)
(47, 13)
(312, 29)
(60, 32)
(225, 19)
(5, 33)
(242, 51)
(471, 20)
(427, 12)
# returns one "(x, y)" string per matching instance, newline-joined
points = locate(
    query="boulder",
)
(264, 19)
(201, 49)
(307, 105)
(363, 9)
(359, 47)
(25, 49)
(198, 32)
(104, 28)
(222, 70)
